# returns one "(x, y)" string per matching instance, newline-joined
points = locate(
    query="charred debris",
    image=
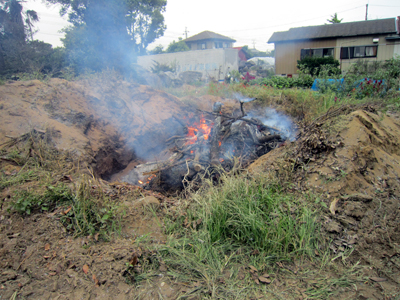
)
(214, 142)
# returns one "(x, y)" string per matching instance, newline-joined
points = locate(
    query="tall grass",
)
(225, 228)
(253, 212)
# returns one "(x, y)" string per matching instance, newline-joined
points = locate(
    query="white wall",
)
(215, 63)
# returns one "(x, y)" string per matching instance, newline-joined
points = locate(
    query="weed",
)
(25, 202)
(244, 221)
(91, 210)
(21, 177)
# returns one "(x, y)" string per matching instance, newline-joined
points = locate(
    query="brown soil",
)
(352, 160)
(114, 122)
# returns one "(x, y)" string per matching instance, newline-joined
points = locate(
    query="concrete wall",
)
(212, 63)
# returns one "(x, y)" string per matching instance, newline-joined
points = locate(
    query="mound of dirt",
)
(114, 122)
(353, 160)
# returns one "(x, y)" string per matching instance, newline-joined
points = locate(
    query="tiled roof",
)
(370, 27)
(206, 35)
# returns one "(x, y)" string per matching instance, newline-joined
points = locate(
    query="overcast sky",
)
(249, 22)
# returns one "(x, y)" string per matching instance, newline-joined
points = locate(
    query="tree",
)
(177, 46)
(334, 19)
(157, 50)
(145, 22)
(107, 33)
(13, 29)
(30, 17)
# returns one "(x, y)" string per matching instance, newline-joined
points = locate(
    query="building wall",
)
(396, 49)
(385, 49)
(210, 44)
(215, 63)
(287, 53)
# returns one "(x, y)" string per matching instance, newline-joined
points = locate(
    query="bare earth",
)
(353, 162)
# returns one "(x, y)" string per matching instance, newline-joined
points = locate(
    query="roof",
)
(208, 35)
(370, 27)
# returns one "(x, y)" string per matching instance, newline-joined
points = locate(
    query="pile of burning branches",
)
(213, 141)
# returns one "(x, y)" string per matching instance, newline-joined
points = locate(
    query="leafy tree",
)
(177, 46)
(15, 52)
(31, 16)
(334, 19)
(270, 53)
(11, 21)
(106, 33)
(157, 50)
(145, 22)
(98, 37)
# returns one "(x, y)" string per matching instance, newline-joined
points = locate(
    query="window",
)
(218, 45)
(358, 52)
(317, 52)
(201, 46)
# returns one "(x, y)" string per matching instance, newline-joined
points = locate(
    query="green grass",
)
(254, 212)
(83, 212)
(36, 185)
(224, 229)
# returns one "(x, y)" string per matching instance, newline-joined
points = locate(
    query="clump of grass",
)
(252, 211)
(92, 210)
(243, 221)
(25, 202)
(85, 209)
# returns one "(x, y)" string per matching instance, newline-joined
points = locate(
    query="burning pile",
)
(213, 140)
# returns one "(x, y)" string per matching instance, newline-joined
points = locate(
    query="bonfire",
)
(213, 141)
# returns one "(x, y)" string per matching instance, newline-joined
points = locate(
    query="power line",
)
(296, 22)
(384, 5)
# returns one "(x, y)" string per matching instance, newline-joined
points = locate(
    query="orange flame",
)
(197, 127)
(141, 182)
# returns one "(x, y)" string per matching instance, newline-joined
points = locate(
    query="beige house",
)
(374, 40)
(209, 40)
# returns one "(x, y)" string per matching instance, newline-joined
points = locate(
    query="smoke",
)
(242, 98)
(99, 38)
(277, 120)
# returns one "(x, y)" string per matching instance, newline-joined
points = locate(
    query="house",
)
(373, 40)
(243, 55)
(209, 40)
(213, 58)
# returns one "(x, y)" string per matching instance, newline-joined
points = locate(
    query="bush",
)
(302, 81)
(315, 65)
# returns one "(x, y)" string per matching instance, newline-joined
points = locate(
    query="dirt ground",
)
(351, 159)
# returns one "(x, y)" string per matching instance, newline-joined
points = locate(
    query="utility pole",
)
(366, 12)
(185, 32)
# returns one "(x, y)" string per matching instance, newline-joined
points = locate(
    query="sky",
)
(250, 22)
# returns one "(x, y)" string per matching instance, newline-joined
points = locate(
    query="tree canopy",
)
(109, 33)
(18, 51)
(178, 46)
(334, 19)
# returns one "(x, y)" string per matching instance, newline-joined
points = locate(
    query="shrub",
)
(302, 81)
(315, 65)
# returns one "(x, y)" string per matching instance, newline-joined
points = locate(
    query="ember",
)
(214, 140)
(198, 128)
